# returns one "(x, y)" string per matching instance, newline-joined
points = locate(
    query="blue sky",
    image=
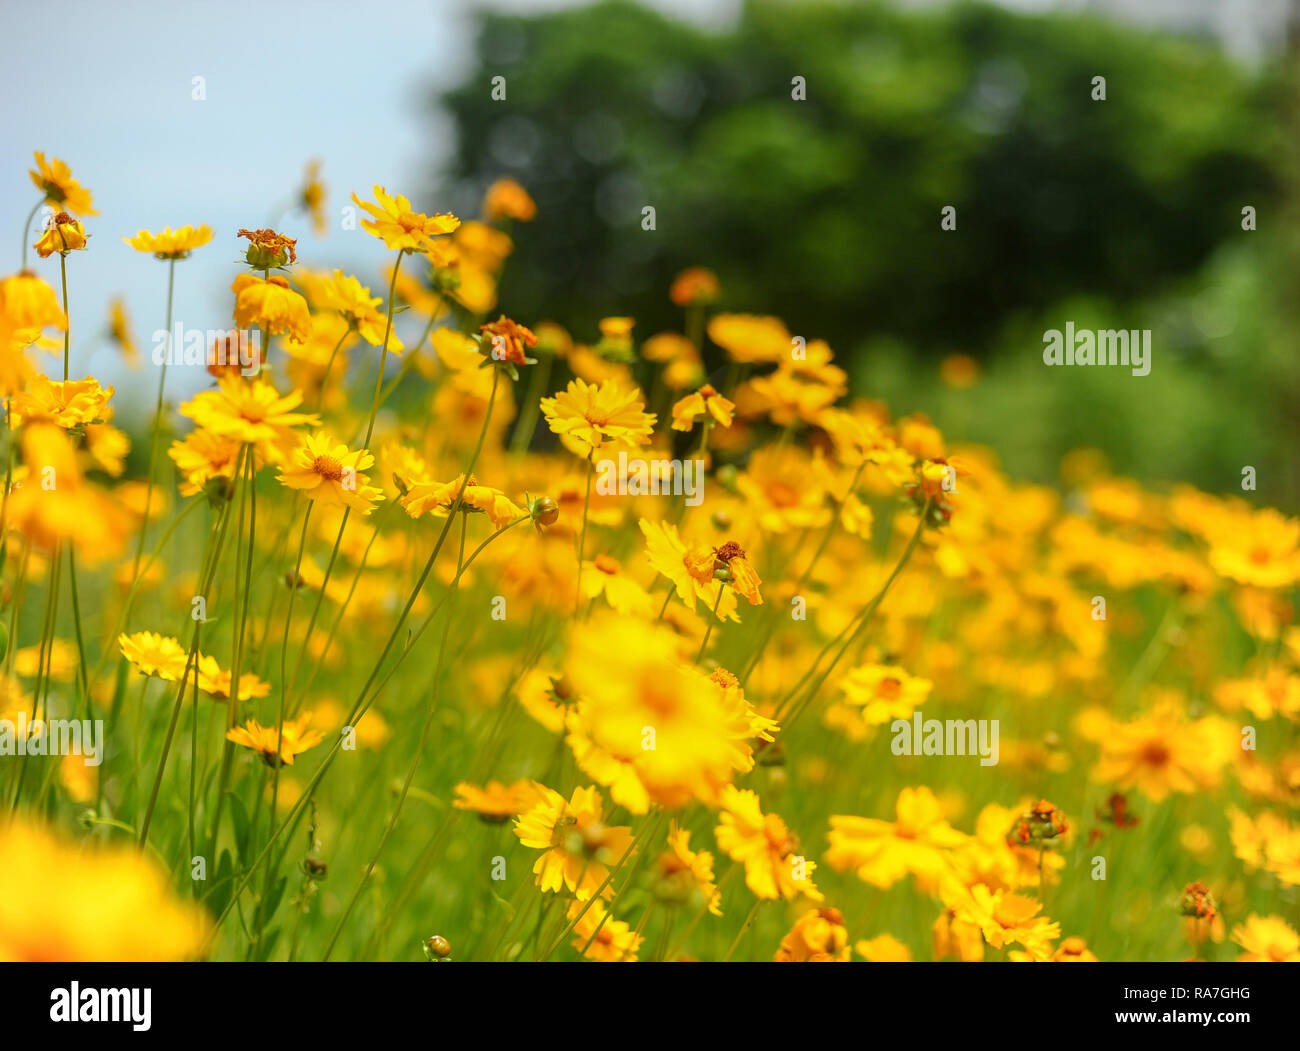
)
(284, 80)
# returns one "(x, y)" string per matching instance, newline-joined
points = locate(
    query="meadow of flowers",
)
(390, 666)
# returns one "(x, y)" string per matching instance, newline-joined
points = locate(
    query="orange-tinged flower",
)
(60, 188)
(252, 413)
(332, 474)
(1262, 549)
(691, 569)
(506, 199)
(28, 302)
(508, 341)
(695, 286)
(114, 904)
(202, 456)
(171, 244)
(704, 400)
(818, 936)
(884, 948)
(765, 846)
(751, 339)
(271, 304)
(293, 737)
(1267, 939)
(884, 692)
(400, 228)
(496, 802)
(1004, 918)
(344, 293)
(269, 249)
(68, 404)
(600, 938)
(919, 842)
(437, 498)
(597, 413)
(63, 234)
(679, 871)
(1164, 752)
(578, 846)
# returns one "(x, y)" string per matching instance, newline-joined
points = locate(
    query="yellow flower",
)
(706, 399)
(251, 413)
(1004, 918)
(506, 199)
(495, 802)
(631, 685)
(331, 473)
(604, 575)
(400, 228)
(294, 738)
(112, 905)
(171, 244)
(1267, 939)
(215, 680)
(579, 847)
(273, 305)
(1074, 950)
(311, 197)
(765, 846)
(690, 569)
(28, 302)
(63, 234)
(919, 842)
(202, 456)
(884, 948)
(781, 490)
(60, 188)
(69, 404)
(679, 869)
(751, 339)
(818, 936)
(154, 654)
(594, 414)
(350, 298)
(119, 328)
(1164, 752)
(1262, 549)
(437, 498)
(884, 692)
(612, 941)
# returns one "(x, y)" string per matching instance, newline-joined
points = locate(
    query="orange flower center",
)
(328, 467)
(782, 495)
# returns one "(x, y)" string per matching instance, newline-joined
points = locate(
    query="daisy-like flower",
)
(508, 341)
(1074, 950)
(273, 305)
(695, 286)
(578, 846)
(349, 297)
(705, 400)
(506, 199)
(765, 846)
(818, 936)
(594, 414)
(495, 802)
(691, 569)
(732, 566)
(171, 244)
(1004, 918)
(28, 302)
(215, 680)
(612, 941)
(884, 692)
(54, 179)
(69, 403)
(604, 575)
(919, 842)
(142, 919)
(400, 228)
(119, 331)
(884, 948)
(1262, 549)
(331, 473)
(294, 738)
(437, 498)
(750, 339)
(251, 413)
(1164, 752)
(679, 871)
(1267, 939)
(63, 234)
(202, 456)
(311, 197)
(154, 654)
